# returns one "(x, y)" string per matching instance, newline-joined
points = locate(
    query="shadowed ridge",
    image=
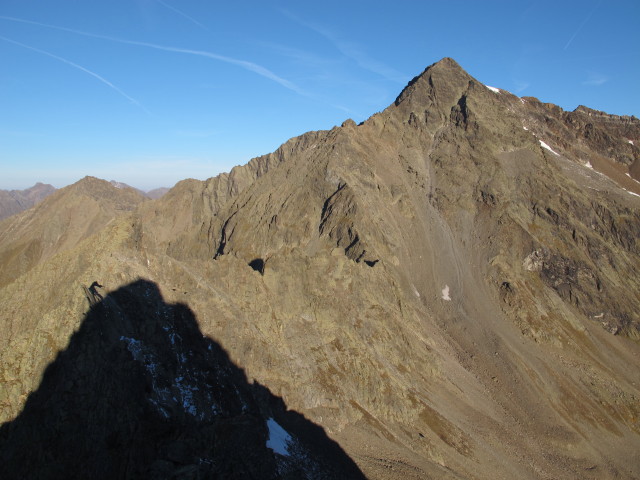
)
(141, 393)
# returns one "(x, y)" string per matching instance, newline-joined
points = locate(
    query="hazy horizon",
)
(84, 176)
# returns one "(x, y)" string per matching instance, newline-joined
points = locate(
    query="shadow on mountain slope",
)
(140, 392)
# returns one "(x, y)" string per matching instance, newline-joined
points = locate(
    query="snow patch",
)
(140, 354)
(172, 335)
(445, 293)
(544, 145)
(588, 165)
(632, 193)
(415, 291)
(493, 89)
(279, 438)
(134, 346)
(181, 392)
(631, 142)
(526, 129)
(160, 408)
(186, 395)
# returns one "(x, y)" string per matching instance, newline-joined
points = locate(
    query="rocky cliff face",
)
(448, 289)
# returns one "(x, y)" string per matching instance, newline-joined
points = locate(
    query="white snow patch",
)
(526, 129)
(279, 438)
(631, 142)
(186, 395)
(172, 334)
(415, 291)
(493, 89)
(445, 293)
(632, 193)
(599, 316)
(588, 165)
(160, 408)
(140, 354)
(134, 346)
(544, 145)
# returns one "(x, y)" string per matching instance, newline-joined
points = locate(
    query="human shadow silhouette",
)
(140, 392)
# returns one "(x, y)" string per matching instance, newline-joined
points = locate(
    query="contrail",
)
(166, 5)
(582, 25)
(253, 67)
(350, 50)
(79, 67)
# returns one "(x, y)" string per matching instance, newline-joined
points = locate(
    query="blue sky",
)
(149, 92)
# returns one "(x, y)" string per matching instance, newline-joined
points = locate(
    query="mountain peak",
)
(439, 79)
(448, 63)
(98, 188)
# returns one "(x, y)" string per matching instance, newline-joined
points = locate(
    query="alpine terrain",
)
(15, 201)
(447, 290)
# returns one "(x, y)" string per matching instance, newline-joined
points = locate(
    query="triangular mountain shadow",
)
(140, 392)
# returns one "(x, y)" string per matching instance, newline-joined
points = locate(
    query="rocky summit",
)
(447, 290)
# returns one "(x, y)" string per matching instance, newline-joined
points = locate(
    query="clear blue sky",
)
(149, 92)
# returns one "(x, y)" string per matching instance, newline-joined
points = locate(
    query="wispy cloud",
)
(79, 67)
(520, 86)
(302, 57)
(584, 22)
(351, 50)
(181, 13)
(250, 66)
(595, 79)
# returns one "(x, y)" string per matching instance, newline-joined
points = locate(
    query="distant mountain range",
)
(447, 290)
(15, 201)
(153, 194)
